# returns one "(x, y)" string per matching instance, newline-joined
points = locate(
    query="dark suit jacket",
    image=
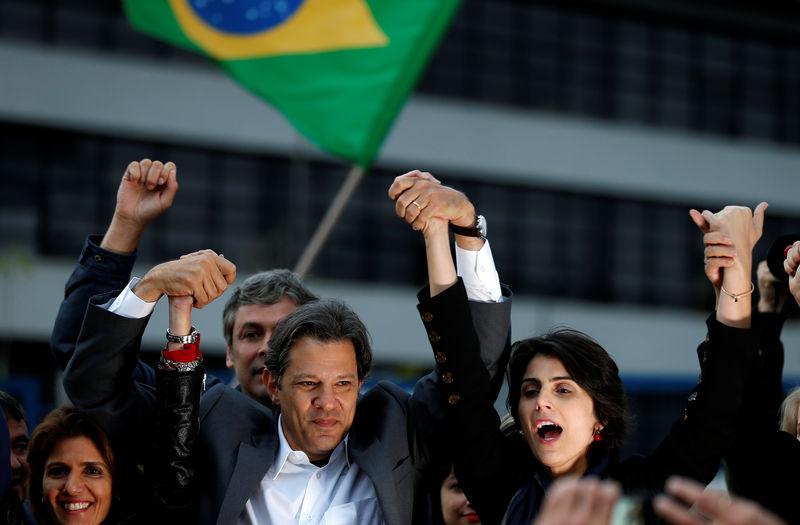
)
(768, 475)
(396, 438)
(491, 467)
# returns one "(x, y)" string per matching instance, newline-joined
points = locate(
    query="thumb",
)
(699, 220)
(758, 217)
(710, 218)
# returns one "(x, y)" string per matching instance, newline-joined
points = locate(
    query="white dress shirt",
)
(296, 491)
(477, 270)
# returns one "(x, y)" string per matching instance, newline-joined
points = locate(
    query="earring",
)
(597, 436)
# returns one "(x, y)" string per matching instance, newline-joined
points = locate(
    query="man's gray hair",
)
(11, 407)
(326, 320)
(264, 288)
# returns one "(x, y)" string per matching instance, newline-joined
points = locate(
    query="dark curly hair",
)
(589, 365)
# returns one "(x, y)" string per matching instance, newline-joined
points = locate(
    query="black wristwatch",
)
(479, 230)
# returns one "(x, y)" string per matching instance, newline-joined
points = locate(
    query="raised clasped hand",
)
(423, 201)
(203, 275)
(737, 223)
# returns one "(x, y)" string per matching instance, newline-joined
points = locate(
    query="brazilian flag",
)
(339, 70)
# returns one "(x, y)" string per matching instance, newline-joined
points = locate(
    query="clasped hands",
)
(425, 203)
(729, 237)
(202, 275)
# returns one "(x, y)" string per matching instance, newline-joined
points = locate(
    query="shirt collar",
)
(340, 453)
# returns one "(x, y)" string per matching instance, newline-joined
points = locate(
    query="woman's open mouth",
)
(548, 431)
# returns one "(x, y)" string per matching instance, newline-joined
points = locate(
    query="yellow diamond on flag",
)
(240, 29)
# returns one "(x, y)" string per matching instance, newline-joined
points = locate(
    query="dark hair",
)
(62, 423)
(264, 288)
(435, 491)
(11, 407)
(588, 364)
(325, 320)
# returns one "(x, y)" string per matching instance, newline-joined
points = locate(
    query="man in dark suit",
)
(327, 454)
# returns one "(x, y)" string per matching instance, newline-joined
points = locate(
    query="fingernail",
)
(160, 181)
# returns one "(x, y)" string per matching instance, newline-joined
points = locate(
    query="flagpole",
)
(323, 231)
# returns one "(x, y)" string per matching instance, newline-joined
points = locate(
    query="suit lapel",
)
(252, 462)
(372, 459)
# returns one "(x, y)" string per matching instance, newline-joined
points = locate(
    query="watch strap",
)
(479, 230)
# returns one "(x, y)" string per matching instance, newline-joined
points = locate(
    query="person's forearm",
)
(441, 270)
(180, 319)
(122, 236)
(735, 302)
(469, 243)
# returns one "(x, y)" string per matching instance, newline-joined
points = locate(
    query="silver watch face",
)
(482, 225)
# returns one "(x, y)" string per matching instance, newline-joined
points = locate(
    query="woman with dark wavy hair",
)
(567, 399)
(560, 361)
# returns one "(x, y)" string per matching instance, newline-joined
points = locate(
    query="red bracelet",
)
(187, 354)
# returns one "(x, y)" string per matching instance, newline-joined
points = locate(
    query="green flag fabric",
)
(339, 70)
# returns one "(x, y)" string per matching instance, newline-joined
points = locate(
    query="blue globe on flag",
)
(244, 17)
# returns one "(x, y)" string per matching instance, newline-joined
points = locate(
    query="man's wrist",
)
(473, 244)
(122, 236)
(467, 219)
(146, 291)
(477, 228)
(470, 237)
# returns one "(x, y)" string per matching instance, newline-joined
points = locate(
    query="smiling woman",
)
(72, 470)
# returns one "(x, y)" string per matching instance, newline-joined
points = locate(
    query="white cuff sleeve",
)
(128, 304)
(480, 277)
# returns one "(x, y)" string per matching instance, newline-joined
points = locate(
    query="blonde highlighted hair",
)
(788, 412)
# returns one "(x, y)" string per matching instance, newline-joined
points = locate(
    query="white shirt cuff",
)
(128, 304)
(480, 277)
